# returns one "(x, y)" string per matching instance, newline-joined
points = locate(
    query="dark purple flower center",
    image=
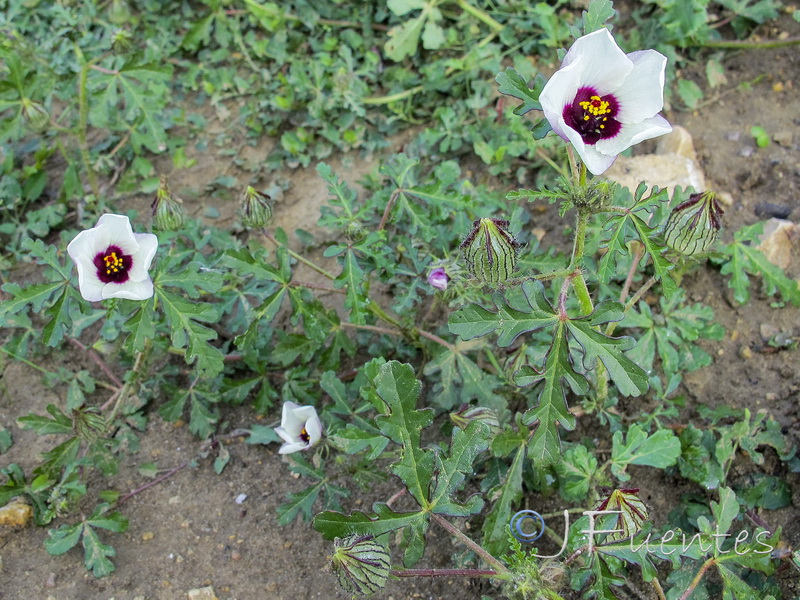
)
(304, 435)
(113, 265)
(592, 115)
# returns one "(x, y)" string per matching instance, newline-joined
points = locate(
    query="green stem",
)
(299, 257)
(578, 282)
(83, 123)
(140, 356)
(376, 310)
(502, 571)
(479, 14)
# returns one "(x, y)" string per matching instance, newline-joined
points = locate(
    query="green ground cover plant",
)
(468, 414)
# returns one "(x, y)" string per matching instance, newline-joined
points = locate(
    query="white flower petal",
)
(559, 92)
(90, 286)
(314, 430)
(633, 133)
(130, 290)
(290, 422)
(289, 448)
(604, 65)
(284, 435)
(642, 94)
(597, 162)
(148, 244)
(116, 230)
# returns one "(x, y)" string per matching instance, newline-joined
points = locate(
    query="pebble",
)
(746, 353)
(174, 500)
(240, 498)
(772, 209)
(236, 555)
(771, 397)
(16, 513)
(51, 581)
(746, 151)
(777, 240)
(147, 535)
(204, 593)
(768, 331)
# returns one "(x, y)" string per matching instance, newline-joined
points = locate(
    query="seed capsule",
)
(168, 212)
(35, 114)
(256, 208)
(361, 564)
(693, 225)
(490, 251)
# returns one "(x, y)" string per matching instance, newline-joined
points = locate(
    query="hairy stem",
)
(697, 578)
(298, 257)
(502, 571)
(479, 14)
(443, 573)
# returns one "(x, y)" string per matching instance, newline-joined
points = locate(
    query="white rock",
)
(204, 593)
(777, 240)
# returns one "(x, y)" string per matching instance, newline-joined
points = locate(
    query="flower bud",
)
(361, 564)
(168, 212)
(490, 250)
(35, 114)
(633, 513)
(256, 208)
(438, 278)
(466, 414)
(693, 225)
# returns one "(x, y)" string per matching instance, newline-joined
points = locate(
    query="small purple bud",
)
(438, 278)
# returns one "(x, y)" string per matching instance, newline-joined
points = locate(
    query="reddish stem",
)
(150, 484)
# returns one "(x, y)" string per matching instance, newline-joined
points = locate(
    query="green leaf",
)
(96, 554)
(333, 524)
(35, 295)
(660, 264)
(261, 434)
(599, 12)
(140, 326)
(503, 496)
(403, 39)
(352, 276)
(59, 424)
(62, 539)
(629, 377)
(726, 510)
(511, 83)
(5, 440)
(552, 410)
(660, 450)
(450, 471)
(183, 317)
(475, 321)
(575, 472)
(399, 389)
(353, 439)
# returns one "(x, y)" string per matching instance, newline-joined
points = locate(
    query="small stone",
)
(768, 331)
(179, 559)
(772, 209)
(663, 170)
(147, 536)
(746, 353)
(287, 545)
(236, 555)
(784, 138)
(678, 142)
(204, 593)
(240, 498)
(733, 136)
(725, 199)
(771, 397)
(778, 85)
(16, 513)
(174, 500)
(51, 581)
(746, 151)
(539, 233)
(777, 240)
(734, 335)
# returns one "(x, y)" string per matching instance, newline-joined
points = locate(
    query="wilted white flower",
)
(112, 261)
(603, 101)
(300, 428)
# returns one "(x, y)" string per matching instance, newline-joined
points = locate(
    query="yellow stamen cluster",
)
(304, 435)
(596, 107)
(113, 263)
